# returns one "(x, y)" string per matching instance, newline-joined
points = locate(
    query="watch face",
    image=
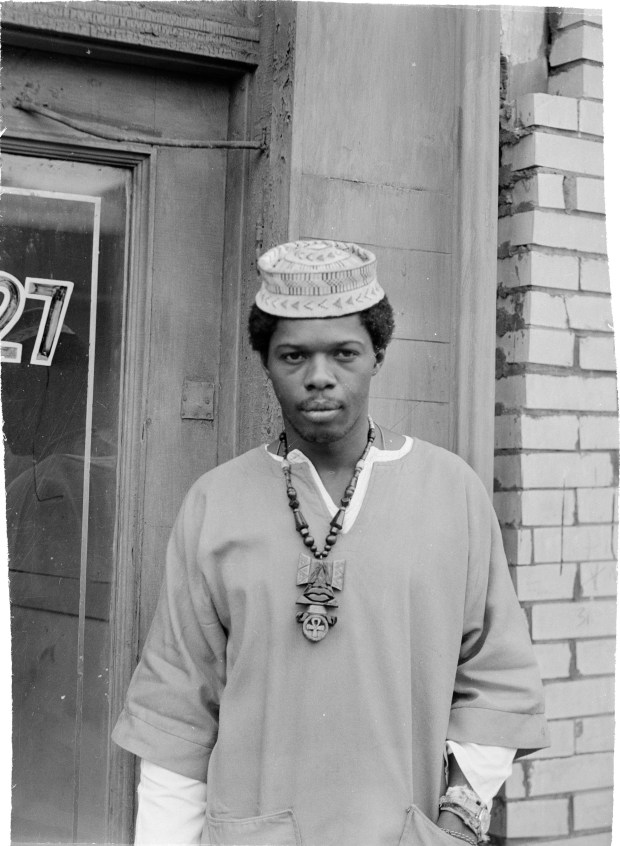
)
(485, 819)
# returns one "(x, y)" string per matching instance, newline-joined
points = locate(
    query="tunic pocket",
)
(278, 829)
(419, 830)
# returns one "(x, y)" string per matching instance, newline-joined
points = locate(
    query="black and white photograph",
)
(310, 424)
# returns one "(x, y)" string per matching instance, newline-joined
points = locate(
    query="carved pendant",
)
(321, 579)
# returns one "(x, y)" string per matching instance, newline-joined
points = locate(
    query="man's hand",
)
(451, 822)
(448, 820)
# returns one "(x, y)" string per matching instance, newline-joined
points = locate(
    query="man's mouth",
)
(318, 411)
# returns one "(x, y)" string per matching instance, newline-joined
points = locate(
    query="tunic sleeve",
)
(498, 697)
(172, 706)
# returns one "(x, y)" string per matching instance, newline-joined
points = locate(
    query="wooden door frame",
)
(124, 605)
(141, 160)
(240, 55)
(475, 241)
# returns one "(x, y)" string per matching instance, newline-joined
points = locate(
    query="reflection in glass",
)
(60, 423)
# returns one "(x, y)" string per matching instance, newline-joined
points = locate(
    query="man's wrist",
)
(463, 803)
(455, 826)
(448, 820)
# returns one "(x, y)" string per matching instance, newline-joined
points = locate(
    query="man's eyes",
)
(341, 355)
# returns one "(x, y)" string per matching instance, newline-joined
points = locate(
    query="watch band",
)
(464, 802)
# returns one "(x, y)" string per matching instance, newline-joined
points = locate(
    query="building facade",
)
(556, 431)
(152, 151)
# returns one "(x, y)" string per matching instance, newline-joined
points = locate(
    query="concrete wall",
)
(556, 424)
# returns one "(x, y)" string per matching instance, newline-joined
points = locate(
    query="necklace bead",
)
(337, 521)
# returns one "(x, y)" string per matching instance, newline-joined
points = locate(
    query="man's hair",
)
(378, 320)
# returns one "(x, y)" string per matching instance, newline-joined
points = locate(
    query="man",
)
(337, 638)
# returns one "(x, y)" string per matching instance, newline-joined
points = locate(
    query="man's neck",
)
(335, 466)
(385, 440)
(335, 457)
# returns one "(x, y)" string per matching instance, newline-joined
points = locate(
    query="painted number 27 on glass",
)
(55, 296)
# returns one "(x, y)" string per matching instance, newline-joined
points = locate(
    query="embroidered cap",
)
(317, 279)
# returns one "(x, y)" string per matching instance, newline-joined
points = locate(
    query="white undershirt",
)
(171, 807)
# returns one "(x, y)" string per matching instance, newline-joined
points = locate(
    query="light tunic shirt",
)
(486, 768)
(341, 742)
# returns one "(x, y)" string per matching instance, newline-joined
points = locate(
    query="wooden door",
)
(135, 232)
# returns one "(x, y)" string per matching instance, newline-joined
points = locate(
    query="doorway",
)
(112, 261)
(62, 253)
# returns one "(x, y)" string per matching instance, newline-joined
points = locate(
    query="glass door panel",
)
(63, 256)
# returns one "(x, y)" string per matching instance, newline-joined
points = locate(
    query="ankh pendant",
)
(315, 622)
(321, 579)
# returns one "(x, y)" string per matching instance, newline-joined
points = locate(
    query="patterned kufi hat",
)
(317, 279)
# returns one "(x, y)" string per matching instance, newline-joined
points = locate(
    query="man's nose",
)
(319, 374)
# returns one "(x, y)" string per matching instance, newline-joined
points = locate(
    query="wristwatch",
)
(469, 807)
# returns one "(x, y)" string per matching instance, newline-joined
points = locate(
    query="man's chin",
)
(319, 433)
(323, 437)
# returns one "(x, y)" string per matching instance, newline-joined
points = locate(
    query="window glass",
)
(63, 260)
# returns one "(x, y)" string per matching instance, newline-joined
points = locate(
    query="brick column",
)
(557, 434)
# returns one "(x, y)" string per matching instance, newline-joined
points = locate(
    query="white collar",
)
(375, 456)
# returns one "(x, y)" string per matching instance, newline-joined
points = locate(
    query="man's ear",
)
(379, 358)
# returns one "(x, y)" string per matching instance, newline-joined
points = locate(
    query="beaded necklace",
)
(320, 576)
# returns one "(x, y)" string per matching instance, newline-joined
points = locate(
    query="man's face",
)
(321, 372)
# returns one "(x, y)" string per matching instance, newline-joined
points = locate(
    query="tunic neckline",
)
(375, 456)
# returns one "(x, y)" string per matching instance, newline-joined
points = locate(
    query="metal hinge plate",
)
(198, 400)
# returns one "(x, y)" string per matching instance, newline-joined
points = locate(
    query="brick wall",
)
(556, 428)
